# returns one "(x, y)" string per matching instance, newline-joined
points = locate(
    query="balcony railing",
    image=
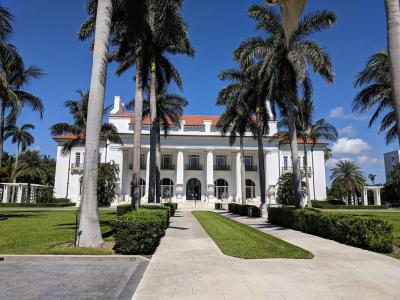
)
(168, 167)
(290, 170)
(250, 168)
(142, 167)
(77, 167)
(222, 168)
(194, 167)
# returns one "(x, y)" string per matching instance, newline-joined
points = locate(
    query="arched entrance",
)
(193, 189)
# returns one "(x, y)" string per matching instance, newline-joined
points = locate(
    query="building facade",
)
(391, 159)
(197, 163)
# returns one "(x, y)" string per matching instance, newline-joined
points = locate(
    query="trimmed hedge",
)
(44, 205)
(140, 231)
(364, 232)
(173, 207)
(244, 210)
(337, 204)
(123, 209)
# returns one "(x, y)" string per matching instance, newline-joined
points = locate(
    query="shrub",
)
(44, 195)
(285, 192)
(172, 206)
(162, 211)
(140, 231)
(123, 209)
(107, 183)
(364, 232)
(52, 204)
(337, 205)
(244, 210)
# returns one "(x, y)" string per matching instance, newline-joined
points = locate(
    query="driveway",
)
(49, 277)
(188, 265)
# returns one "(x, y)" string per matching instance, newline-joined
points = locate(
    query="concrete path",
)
(188, 265)
(68, 277)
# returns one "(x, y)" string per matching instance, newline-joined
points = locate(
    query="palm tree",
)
(349, 177)
(14, 76)
(236, 120)
(284, 65)
(169, 35)
(327, 154)
(377, 92)
(32, 167)
(20, 136)
(372, 178)
(310, 131)
(245, 84)
(393, 32)
(5, 23)
(79, 112)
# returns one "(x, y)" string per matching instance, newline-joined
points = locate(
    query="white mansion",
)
(197, 162)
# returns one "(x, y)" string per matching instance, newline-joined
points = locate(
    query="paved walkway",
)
(188, 265)
(70, 277)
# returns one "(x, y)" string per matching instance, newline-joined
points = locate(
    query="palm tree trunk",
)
(261, 162)
(309, 204)
(153, 133)
(16, 163)
(158, 162)
(2, 128)
(242, 172)
(313, 170)
(295, 158)
(393, 32)
(89, 226)
(137, 136)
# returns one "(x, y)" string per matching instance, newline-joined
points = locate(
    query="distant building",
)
(391, 160)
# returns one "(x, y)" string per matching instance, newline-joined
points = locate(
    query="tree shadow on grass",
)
(5, 216)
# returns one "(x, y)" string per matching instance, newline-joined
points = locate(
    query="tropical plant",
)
(6, 168)
(20, 136)
(77, 130)
(377, 92)
(348, 176)
(392, 185)
(31, 167)
(372, 178)
(393, 33)
(327, 154)
(245, 86)
(14, 77)
(283, 65)
(285, 193)
(107, 183)
(50, 164)
(5, 23)
(236, 120)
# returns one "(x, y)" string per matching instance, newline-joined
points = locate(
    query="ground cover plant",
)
(239, 240)
(46, 232)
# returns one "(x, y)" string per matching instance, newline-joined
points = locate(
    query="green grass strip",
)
(239, 240)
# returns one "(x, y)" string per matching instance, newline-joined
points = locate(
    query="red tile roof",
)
(190, 120)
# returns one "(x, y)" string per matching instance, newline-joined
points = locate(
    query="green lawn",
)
(239, 240)
(45, 232)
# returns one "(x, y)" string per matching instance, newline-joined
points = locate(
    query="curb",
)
(71, 258)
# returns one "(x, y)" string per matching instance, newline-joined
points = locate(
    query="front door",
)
(193, 189)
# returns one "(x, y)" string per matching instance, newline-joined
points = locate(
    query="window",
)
(250, 189)
(167, 188)
(194, 161)
(142, 162)
(285, 162)
(167, 162)
(248, 161)
(221, 189)
(77, 159)
(221, 162)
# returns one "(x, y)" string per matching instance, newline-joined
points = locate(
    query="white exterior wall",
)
(203, 141)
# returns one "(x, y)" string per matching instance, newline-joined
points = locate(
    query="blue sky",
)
(46, 35)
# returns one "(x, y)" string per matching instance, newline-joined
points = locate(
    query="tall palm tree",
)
(79, 112)
(377, 91)
(169, 35)
(5, 23)
(310, 131)
(32, 167)
(245, 84)
(327, 154)
(236, 120)
(372, 178)
(14, 77)
(393, 33)
(20, 136)
(284, 65)
(349, 177)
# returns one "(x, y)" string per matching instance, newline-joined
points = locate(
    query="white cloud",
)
(347, 131)
(333, 161)
(365, 160)
(339, 113)
(350, 146)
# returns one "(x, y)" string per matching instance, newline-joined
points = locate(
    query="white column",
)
(267, 175)
(179, 175)
(365, 196)
(20, 190)
(146, 193)
(5, 194)
(377, 197)
(238, 179)
(210, 176)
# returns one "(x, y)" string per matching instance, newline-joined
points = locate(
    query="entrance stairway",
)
(189, 206)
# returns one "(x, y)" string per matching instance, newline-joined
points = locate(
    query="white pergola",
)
(13, 192)
(376, 190)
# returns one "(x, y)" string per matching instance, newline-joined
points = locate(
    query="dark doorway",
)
(193, 189)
